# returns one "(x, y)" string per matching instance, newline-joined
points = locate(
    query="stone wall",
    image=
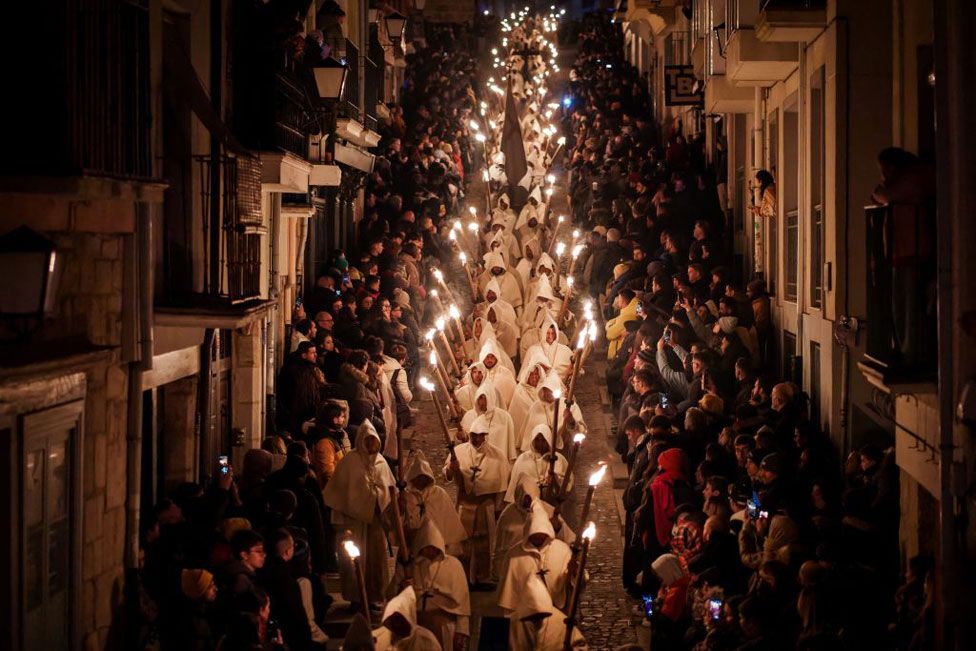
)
(90, 237)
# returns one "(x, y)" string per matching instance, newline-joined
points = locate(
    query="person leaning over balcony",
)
(766, 209)
(908, 187)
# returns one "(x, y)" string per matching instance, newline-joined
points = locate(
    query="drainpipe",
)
(138, 264)
(216, 189)
(949, 108)
(803, 209)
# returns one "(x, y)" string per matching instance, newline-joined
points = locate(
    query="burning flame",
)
(589, 532)
(454, 311)
(578, 437)
(351, 549)
(597, 476)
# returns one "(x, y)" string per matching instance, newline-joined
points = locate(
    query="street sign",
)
(679, 85)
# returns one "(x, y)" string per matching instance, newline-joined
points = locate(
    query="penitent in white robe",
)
(419, 639)
(537, 625)
(443, 600)
(548, 563)
(500, 428)
(431, 503)
(534, 466)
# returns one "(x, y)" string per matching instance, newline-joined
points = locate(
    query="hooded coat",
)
(543, 413)
(534, 466)
(444, 603)
(419, 639)
(548, 563)
(497, 422)
(430, 504)
(525, 394)
(537, 625)
(557, 355)
(502, 374)
(465, 393)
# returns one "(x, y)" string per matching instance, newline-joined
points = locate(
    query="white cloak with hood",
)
(511, 522)
(543, 413)
(557, 355)
(548, 563)
(420, 639)
(510, 290)
(497, 422)
(534, 467)
(430, 504)
(443, 600)
(464, 394)
(537, 625)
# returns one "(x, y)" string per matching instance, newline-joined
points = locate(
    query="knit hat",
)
(194, 583)
(600, 230)
(773, 463)
(230, 526)
(712, 404)
(613, 235)
(647, 356)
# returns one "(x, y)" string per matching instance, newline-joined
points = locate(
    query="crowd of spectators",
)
(744, 529)
(240, 563)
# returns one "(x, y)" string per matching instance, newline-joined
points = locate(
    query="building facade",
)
(192, 185)
(812, 92)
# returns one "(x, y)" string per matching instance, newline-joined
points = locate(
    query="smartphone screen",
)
(667, 337)
(224, 464)
(664, 401)
(648, 605)
(715, 609)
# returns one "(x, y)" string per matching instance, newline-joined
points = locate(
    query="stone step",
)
(604, 396)
(618, 470)
(618, 502)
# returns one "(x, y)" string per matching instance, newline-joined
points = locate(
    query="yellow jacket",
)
(615, 327)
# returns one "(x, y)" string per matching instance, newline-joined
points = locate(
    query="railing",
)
(676, 49)
(82, 95)
(239, 224)
(272, 110)
(901, 263)
(792, 4)
(373, 88)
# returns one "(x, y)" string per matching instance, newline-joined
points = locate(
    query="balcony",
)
(272, 110)
(794, 21)
(721, 96)
(751, 62)
(83, 96)
(901, 345)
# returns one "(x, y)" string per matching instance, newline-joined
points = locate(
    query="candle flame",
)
(430, 335)
(582, 340)
(589, 532)
(577, 250)
(569, 281)
(426, 384)
(576, 233)
(433, 358)
(480, 137)
(454, 311)
(464, 257)
(551, 178)
(439, 323)
(474, 126)
(562, 218)
(472, 210)
(561, 141)
(434, 293)
(578, 437)
(351, 549)
(560, 248)
(438, 275)
(557, 394)
(597, 476)
(472, 226)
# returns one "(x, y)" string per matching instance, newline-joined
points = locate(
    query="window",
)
(789, 352)
(772, 232)
(792, 234)
(818, 170)
(48, 551)
(814, 390)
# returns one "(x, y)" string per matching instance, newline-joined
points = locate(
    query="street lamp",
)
(29, 261)
(395, 23)
(330, 79)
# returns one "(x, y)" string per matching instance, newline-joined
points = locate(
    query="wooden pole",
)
(577, 588)
(361, 580)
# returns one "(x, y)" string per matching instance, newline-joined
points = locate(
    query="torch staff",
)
(557, 395)
(569, 292)
(595, 478)
(353, 552)
(587, 537)
(441, 376)
(404, 551)
(439, 324)
(429, 386)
